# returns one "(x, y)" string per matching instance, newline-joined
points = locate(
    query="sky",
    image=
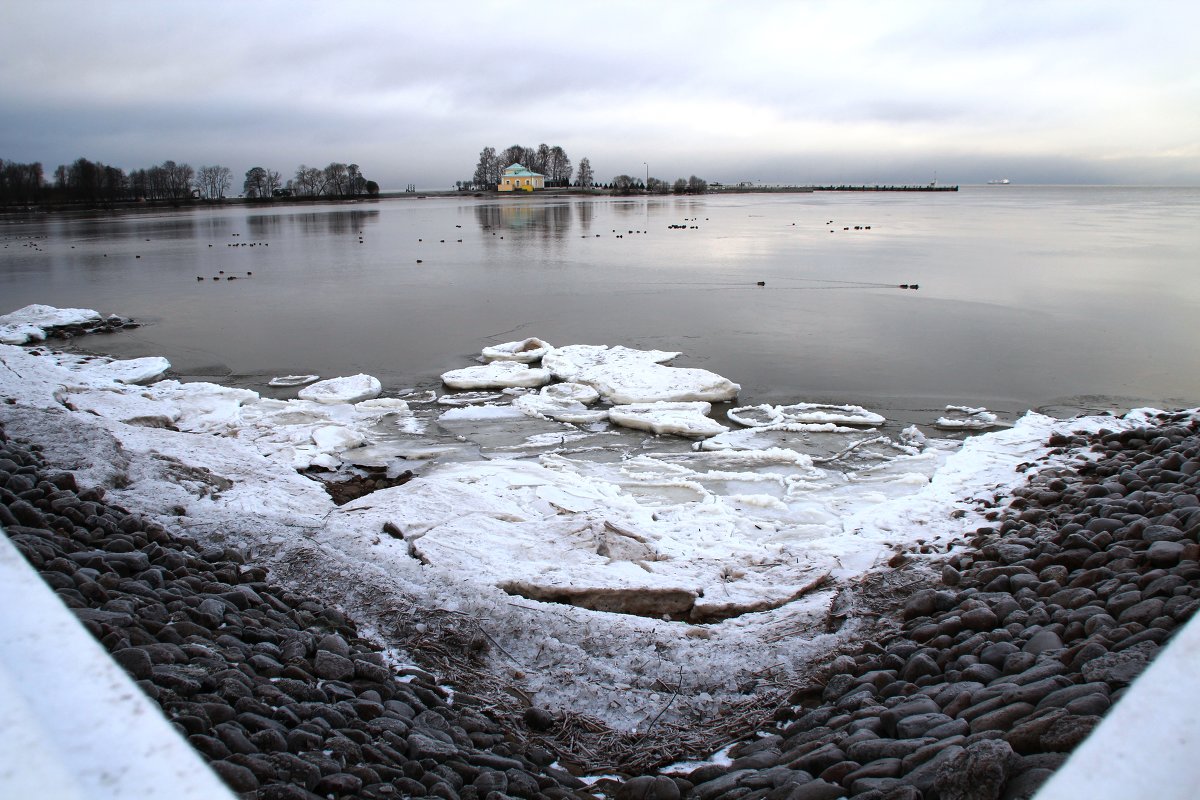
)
(771, 92)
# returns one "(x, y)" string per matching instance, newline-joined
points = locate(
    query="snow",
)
(496, 375)
(342, 390)
(678, 419)
(525, 351)
(624, 376)
(567, 545)
(74, 724)
(30, 324)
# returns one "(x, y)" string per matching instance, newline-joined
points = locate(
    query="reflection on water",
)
(545, 221)
(1028, 297)
(313, 223)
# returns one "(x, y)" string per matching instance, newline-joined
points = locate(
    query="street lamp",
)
(647, 184)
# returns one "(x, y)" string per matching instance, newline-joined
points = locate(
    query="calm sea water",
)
(1058, 298)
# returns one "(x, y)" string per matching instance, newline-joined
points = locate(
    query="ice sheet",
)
(30, 324)
(496, 375)
(677, 419)
(623, 375)
(342, 390)
(526, 351)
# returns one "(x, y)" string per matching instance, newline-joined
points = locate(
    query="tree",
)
(541, 159)
(558, 167)
(357, 182)
(513, 155)
(213, 181)
(372, 188)
(273, 182)
(657, 186)
(310, 181)
(256, 183)
(585, 173)
(680, 186)
(487, 171)
(20, 183)
(697, 185)
(337, 179)
(623, 184)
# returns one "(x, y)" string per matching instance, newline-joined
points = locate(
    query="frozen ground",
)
(608, 571)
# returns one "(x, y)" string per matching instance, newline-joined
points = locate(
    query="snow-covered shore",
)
(607, 564)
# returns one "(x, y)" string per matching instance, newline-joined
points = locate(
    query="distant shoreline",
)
(161, 205)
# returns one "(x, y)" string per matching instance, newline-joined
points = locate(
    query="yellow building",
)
(518, 178)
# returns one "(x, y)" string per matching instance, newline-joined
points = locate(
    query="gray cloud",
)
(822, 91)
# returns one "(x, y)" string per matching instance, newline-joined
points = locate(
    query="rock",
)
(976, 773)
(421, 746)
(538, 719)
(236, 777)
(648, 787)
(1120, 668)
(816, 790)
(333, 667)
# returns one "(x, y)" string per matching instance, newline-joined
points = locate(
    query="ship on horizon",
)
(999, 182)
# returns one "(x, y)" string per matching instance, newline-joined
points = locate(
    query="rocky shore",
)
(987, 682)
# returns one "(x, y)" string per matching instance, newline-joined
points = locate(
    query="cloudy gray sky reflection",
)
(1041, 92)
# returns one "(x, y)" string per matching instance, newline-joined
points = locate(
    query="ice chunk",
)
(624, 376)
(579, 392)
(680, 419)
(525, 351)
(480, 413)
(563, 402)
(134, 370)
(496, 375)
(342, 390)
(31, 322)
(965, 418)
(805, 414)
(293, 380)
(333, 438)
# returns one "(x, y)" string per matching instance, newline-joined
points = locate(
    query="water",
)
(1059, 298)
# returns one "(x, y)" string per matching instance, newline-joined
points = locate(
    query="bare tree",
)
(337, 179)
(273, 182)
(256, 183)
(623, 184)
(513, 155)
(697, 185)
(487, 171)
(213, 181)
(310, 181)
(585, 173)
(558, 167)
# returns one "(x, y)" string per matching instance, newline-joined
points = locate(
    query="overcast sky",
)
(1039, 92)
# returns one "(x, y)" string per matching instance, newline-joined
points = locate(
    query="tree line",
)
(624, 185)
(552, 162)
(85, 181)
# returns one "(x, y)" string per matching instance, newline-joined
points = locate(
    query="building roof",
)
(519, 169)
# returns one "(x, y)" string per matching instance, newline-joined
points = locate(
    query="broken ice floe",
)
(526, 351)
(342, 390)
(31, 323)
(678, 419)
(804, 414)
(965, 418)
(563, 402)
(496, 375)
(623, 375)
(293, 380)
